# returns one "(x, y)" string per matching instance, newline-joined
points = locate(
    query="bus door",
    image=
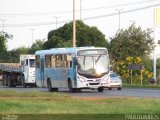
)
(42, 72)
(74, 70)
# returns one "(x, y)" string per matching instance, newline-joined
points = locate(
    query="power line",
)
(127, 11)
(88, 18)
(121, 5)
(88, 9)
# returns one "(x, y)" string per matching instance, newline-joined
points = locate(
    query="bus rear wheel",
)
(55, 89)
(100, 89)
(49, 86)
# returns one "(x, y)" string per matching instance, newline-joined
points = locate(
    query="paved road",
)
(94, 93)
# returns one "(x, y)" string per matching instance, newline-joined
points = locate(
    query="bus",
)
(72, 68)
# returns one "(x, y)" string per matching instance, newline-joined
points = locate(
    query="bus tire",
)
(119, 88)
(110, 88)
(71, 89)
(49, 86)
(100, 89)
(77, 90)
(55, 89)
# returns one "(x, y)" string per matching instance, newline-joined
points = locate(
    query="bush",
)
(124, 71)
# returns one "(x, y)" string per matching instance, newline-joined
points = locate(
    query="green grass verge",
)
(38, 105)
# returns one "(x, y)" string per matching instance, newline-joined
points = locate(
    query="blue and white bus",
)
(74, 68)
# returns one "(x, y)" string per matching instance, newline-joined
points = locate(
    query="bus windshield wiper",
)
(98, 58)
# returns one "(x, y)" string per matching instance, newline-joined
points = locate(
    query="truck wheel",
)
(4, 80)
(9, 81)
(100, 89)
(50, 89)
(33, 85)
(23, 82)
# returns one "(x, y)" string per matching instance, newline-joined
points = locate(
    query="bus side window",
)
(58, 61)
(69, 61)
(47, 57)
(37, 61)
(70, 64)
(53, 60)
(64, 63)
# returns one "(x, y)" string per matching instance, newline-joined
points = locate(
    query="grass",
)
(38, 103)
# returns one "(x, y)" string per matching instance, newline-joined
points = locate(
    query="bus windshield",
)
(93, 65)
(32, 62)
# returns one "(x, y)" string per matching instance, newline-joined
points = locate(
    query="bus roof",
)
(64, 50)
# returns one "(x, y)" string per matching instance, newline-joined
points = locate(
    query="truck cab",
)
(27, 63)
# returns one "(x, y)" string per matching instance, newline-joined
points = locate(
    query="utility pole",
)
(32, 30)
(74, 25)
(155, 44)
(80, 9)
(119, 21)
(3, 25)
(56, 20)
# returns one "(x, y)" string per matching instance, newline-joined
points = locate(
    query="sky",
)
(30, 20)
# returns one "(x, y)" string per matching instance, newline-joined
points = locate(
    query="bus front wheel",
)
(100, 89)
(71, 89)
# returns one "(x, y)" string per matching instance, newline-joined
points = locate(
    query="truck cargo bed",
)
(10, 67)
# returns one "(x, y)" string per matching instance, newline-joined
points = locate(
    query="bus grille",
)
(93, 83)
(94, 80)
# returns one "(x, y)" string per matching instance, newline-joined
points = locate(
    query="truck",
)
(19, 74)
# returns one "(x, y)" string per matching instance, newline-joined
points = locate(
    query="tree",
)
(86, 36)
(3, 46)
(2, 43)
(55, 42)
(131, 46)
(131, 42)
(38, 45)
(13, 55)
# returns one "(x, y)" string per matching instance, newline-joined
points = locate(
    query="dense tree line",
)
(133, 42)
(61, 37)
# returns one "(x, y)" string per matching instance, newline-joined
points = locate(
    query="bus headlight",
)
(81, 79)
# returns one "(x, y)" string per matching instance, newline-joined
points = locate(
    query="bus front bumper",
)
(91, 85)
